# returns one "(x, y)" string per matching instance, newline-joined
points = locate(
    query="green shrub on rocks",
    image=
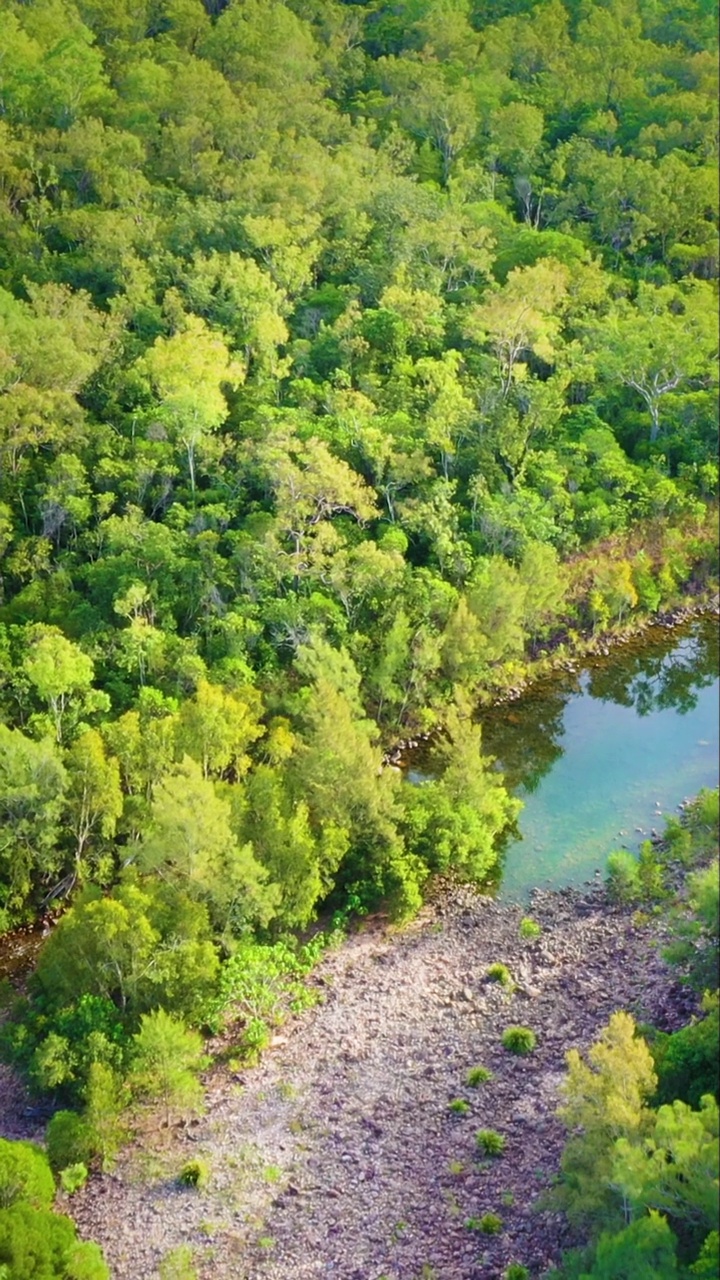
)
(500, 973)
(195, 1173)
(490, 1224)
(490, 1142)
(73, 1178)
(477, 1076)
(529, 928)
(459, 1106)
(516, 1271)
(519, 1040)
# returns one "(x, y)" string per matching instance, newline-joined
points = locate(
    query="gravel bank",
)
(338, 1157)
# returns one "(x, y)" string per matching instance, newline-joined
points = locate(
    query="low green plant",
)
(529, 928)
(500, 973)
(73, 1178)
(272, 1173)
(490, 1224)
(622, 880)
(508, 1199)
(490, 1142)
(519, 1040)
(178, 1264)
(516, 1271)
(477, 1076)
(195, 1173)
(459, 1106)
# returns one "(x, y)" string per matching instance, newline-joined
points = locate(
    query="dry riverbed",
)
(338, 1156)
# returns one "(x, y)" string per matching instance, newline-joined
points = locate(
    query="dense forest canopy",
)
(352, 356)
(347, 353)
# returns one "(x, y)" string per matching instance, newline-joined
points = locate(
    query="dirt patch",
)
(339, 1157)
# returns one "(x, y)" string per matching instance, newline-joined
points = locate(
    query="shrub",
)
(478, 1075)
(516, 1271)
(491, 1224)
(73, 1178)
(529, 928)
(67, 1140)
(24, 1176)
(178, 1264)
(490, 1142)
(623, 878)
(520, 1040)
(500, 973)
(196, 1173)
(459, 1106)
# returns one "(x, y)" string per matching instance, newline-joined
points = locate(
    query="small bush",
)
(67, 1140)
(178, 1264)
(529, 928)
(516, 1271)
(490, 1224)
(196, 1173)
(73, 1178)
(459, 1106)
(623, 880)
(478, 1075)
(490, 1142)
(500, 973)
(520, 1040)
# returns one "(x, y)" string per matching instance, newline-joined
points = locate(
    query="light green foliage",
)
(60, 673)
(137, 947)
(501, 974)
(190, 844)
(605, 1099)
(529, 928)
(459, 1106)
(477, 1076)
(178, 1264)
(38, 1243)
(516, 1271)
(32, 785)
(675, 1169)
(519, 1040)
(166, 1059)
(73, 1178)
(623, 879)
(490, 1142)
(348, 354)
(263, 983)
(24, 1176)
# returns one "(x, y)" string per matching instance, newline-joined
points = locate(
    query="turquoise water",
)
(597, 754)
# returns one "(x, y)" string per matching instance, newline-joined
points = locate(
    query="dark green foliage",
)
(516, 1271)
(519, 1040)
(196, 1173)
(490, 1224)
(686, 1061)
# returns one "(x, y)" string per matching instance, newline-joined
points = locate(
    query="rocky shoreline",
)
(338, 1156)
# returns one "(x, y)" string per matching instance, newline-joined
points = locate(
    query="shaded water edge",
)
(600, 752)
